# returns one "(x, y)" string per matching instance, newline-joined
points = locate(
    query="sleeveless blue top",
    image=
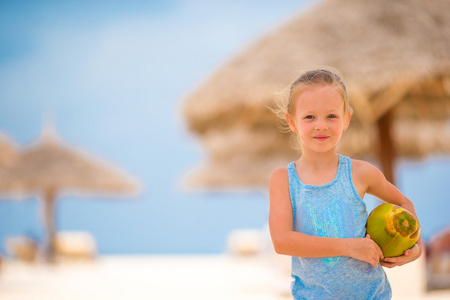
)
(332, 210)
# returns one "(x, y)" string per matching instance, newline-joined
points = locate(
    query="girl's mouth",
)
(321, 138)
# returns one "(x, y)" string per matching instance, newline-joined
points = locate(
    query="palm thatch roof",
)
(50, 164)
(395, 58)
(8, 151)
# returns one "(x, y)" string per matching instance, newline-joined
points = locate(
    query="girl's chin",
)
(321, 150)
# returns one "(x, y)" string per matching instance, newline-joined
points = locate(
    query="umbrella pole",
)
(386, 148)
(48, 206)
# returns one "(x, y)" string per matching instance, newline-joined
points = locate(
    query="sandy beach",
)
(175, 277)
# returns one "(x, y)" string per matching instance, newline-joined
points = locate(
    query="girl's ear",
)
(347, 121)
(290, 123)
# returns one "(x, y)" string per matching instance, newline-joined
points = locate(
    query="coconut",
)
(393, 228)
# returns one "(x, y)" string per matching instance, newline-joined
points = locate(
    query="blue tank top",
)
(332, 210)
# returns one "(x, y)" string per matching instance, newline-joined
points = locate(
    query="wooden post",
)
(386, 147)
(48, 209)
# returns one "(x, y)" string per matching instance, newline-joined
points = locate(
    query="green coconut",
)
(393, 228)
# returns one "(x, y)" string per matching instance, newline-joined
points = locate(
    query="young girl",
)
(317, 214)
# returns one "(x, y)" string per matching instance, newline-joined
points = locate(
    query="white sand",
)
(142, 277)
(173, 277)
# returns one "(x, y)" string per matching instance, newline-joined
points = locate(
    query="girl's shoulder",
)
(365, 171)
(279, 187)
(279, 178)
(361, 165)
(279, 174)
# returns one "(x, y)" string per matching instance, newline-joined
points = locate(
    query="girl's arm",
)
(288, 242)
(375, 183)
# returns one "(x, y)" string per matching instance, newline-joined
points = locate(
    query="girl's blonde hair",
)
(311, 78)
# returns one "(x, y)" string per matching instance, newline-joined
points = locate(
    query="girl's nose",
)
(320, 125)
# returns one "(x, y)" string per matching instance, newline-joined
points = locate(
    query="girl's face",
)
(318, 118)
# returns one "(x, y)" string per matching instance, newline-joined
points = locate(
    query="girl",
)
(317, 214)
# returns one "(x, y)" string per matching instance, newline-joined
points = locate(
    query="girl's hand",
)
(408, 256)
(366, 249)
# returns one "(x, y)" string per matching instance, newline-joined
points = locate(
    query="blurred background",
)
(110, 76)
(109, 82)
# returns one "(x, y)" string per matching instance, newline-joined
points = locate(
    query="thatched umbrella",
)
(395, 57)
(49, 167)
(8, 151)
(9, 154)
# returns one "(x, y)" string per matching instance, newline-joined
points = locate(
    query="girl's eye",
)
(332, 116)
(309, 117)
